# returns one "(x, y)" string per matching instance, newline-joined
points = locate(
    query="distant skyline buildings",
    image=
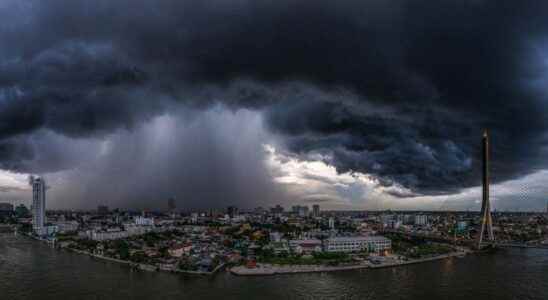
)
(102, 210)
(278, 209)
(171, 205)
(503, 199)
(300, 210)
(6, 209)
(421, 219)
(232, 211)
(531, 191)
(316, 210)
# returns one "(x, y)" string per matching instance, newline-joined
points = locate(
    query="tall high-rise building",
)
(102, 210)
(303, 211)
(331, 223)
(38, 203)
(232, 211)
(421, 220)
(171, 204)
(316, 210)
(278, 209)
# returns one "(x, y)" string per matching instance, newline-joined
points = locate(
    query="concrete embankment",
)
(267, 269)
(144, 267)
(417, 261)
(540, 246)
(111, 259)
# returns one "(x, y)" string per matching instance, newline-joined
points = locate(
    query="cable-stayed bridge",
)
(484, 233)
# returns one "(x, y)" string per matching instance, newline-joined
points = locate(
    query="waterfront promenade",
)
(269, 269)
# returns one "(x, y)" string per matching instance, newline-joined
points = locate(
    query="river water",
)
(32, 270)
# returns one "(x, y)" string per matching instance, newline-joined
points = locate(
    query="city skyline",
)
(445, 204)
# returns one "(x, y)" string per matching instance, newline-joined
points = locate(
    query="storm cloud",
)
(399, 90)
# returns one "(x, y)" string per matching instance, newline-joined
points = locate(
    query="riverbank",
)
(138, 266)
(268, 269)
(418, 260)
(34, 237)
(545, 247)
(146, 267)
(70, 276)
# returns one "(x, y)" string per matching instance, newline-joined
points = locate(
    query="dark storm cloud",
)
(397, 89)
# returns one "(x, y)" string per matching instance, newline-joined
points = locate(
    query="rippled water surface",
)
(31, 270)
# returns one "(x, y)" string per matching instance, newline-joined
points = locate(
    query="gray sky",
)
(365, 104)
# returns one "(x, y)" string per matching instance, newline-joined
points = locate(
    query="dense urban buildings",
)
(262, 240)
(102, 209)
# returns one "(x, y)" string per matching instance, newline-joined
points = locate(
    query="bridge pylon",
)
(486, 218)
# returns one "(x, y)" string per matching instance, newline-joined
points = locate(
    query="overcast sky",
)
(353, 105)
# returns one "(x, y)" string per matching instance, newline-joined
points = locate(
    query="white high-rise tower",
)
(38, 204)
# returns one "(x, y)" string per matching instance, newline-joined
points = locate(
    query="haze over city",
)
(360, 105)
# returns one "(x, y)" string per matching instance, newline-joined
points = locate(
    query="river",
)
(32, 270)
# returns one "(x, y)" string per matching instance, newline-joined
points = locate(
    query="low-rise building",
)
(179, 250)
(65, 227)
(6, 209)
(106, 235)
(305, 246)
(47, 230)
(462, 225)
(117, 233)
(280, 247)
(421, 220)
(275, 236)
(142, 221)
(356, 244)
